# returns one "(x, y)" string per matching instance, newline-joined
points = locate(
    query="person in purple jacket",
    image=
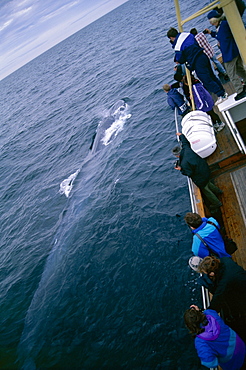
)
(204, 102)
(216, 343)
(176, 100)
(230, 53)
(205, 229)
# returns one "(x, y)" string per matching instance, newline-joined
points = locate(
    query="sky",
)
(30, 27)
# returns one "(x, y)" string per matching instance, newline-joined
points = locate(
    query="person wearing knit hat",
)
(213, 16)
(230, 53)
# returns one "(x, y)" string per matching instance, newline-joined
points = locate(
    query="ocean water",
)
(98, 280)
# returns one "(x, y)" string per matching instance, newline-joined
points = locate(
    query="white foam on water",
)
(116, 127)
(67, 184)
(120, 114)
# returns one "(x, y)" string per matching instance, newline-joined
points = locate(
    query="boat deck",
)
(232, 213)
(225, 141)
(228, 169)
(227, 150)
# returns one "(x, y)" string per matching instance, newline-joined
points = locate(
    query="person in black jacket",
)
(192, 165)
(229, 290)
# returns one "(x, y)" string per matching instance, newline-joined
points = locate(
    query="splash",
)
(114, 129)
(67, 184)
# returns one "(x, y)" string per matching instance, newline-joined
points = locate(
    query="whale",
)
(106, 131)
(42, 320)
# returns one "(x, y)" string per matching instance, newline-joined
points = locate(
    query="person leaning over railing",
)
(176, 100)
(189, 52)
(228, 289)
(207, 238)
(215, 342)
(192, 165)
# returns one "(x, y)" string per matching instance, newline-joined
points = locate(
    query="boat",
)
(228, 161)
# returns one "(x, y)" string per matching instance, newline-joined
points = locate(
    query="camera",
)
(176, 163)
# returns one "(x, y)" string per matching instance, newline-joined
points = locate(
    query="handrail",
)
(239, 34)
(186, 69)
(200, 12)
(205, 292)
(176, 121)
(232, 16)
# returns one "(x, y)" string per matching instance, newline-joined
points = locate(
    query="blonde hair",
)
(166, 87)
(215, 20)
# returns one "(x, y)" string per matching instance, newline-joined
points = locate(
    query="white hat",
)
(194, 262)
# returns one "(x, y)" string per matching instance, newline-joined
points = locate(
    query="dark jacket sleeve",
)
(192, 165)
(217, 300)
(186, 169)
(230, 288)
(176, 85)
(184, 141)
(180, 57)
(171, 102)
(186, 166)
(213, 34)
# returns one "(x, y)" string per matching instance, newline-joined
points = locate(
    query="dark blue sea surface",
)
(98, 280)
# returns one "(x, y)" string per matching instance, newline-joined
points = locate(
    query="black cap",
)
(176, 150)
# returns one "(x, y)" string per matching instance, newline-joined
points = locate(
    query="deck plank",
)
(228, 171)
(239, 182)
(226, 147)
(233, 221)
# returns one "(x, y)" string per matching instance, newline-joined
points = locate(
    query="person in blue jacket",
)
(189, 52)
(176, 100)
(204, 228)
(230, 53)
(215, 342)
